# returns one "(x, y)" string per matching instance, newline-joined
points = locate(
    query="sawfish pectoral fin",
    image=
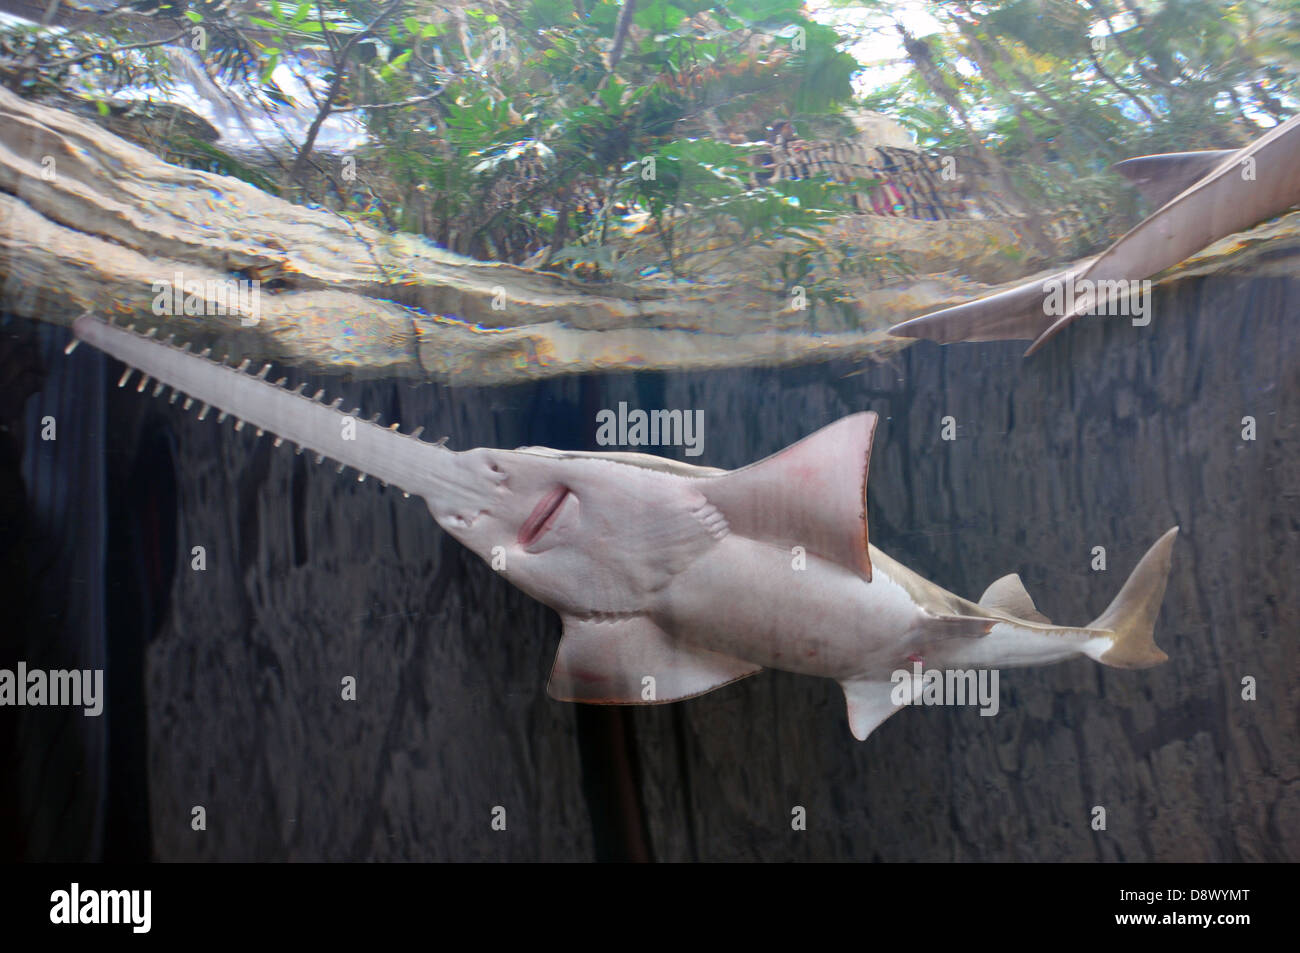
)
(629, 660)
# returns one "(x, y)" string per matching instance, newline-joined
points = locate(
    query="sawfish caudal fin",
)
(1131, 616)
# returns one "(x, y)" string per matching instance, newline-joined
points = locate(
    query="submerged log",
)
(89, 221)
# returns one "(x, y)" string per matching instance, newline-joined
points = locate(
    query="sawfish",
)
(1200, 197)
(673, 579)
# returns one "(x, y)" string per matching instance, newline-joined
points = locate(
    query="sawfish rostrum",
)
(671, 579)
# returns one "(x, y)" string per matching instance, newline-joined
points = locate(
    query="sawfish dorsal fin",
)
(607, 661)
(811, 494)
(1160, 177)
(1009, 595)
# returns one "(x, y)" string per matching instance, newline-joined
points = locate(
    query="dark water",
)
(228, 679)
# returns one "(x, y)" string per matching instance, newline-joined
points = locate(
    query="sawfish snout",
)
(555, 508)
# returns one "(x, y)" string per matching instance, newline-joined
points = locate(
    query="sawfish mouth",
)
(543, 516)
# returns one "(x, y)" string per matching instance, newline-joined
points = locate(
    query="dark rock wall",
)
(1108, 438)
(55, 763)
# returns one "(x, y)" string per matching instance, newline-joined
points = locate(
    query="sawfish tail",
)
(1131, 617)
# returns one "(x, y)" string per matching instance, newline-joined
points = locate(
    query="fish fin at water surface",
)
(1234, 191)
(1017, 314)
(1161, 177)
(629, 660)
